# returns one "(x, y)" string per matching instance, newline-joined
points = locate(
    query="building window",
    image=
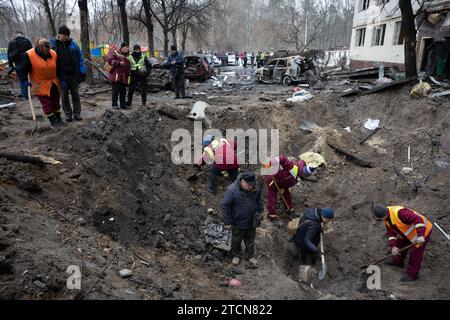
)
(364, 5)
(378, 35)
(360, 37)
(398, 34)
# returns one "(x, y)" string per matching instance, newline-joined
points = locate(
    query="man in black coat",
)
(16, 54)
(307, 238)
(242, 208)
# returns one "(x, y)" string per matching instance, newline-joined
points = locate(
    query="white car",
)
(216, 61)
(231, 59)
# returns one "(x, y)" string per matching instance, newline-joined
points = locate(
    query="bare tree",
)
(124, 20)
(85, 40)
(50, 18)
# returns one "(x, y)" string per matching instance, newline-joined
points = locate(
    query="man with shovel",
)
(221, 154)
(287, 175)
(307, 237)
(405, 227)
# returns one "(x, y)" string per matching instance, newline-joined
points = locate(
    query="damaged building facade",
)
(377, 38)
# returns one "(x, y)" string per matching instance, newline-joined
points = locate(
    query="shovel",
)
(323, 272)
(30, 100)
(195, 177)
(387, 257)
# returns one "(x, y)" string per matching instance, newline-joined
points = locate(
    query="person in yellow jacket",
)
(405, 227)
(41, 64)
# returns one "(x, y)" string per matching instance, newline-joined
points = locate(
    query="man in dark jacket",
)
(16, 52)
(242, 209)
(140, 70)
(71, 72)
(307, 238)
(175, 63)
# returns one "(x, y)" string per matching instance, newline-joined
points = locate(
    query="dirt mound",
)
(119, 202)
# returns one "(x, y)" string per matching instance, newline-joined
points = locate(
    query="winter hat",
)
(327, 213)
(173, 48)
(380, 212)
(208, 139)
(249, 177)
(64, 30)
(124, 44)
(137, 47)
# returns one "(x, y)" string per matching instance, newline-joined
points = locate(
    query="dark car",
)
(197, 68)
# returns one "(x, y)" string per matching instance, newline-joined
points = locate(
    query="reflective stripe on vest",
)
(294, 171)
(409, 231)
(211, 150)
(137, 65)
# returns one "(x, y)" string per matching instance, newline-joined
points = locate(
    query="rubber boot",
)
(54, 123)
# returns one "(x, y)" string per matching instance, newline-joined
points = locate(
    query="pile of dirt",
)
(118, 201)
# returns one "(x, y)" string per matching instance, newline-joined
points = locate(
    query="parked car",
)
(231, 59)
(288, 70)
(216, 61)
(198, 68)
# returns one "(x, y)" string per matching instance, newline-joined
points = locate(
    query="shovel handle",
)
(30, 100)
(389, 256)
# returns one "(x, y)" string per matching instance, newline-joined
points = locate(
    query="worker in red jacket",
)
(222, 154)
(405, 227)
(287, 176)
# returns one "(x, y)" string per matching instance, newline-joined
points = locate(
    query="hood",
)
(18, 35)
(313, 214)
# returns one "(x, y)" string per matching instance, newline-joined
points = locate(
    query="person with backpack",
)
(17, 49)
(140, 70)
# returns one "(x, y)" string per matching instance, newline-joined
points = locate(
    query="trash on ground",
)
(198, 111)
(234, 283)
(308, 125)
(372, 124)
(422, 89)
(218, 236)
(301, 96)
(313, 160)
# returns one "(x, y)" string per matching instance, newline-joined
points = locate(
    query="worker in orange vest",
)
(405, 227)
(40, 64)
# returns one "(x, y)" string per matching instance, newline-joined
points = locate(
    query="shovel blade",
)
(323, 272)
(193, 178)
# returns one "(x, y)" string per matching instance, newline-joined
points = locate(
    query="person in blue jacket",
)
(242, 209)
(307, 237)
(71, 71)
(175, 62)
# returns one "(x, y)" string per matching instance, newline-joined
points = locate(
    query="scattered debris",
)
(441, 94)
(37, 160)
(6, 106)
(234, 283)
(443, 232)
(372, 124)
(301, 96)
(348, 153)
(218, 236)
(125, 273)
(198, 111)
(422, 89)
(314, 160)
(370, 135)
(308, 125)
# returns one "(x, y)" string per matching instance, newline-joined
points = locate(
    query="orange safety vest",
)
(408, 230)
(43, 73)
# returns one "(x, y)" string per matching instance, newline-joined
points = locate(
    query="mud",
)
(118, 201)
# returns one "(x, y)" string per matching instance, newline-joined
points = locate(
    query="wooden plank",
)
(389, 86)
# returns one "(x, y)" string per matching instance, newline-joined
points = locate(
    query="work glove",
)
(228, 226)
(10, 70)
(420, 240)
(197, 166)
(395, 251)
(27, 84)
